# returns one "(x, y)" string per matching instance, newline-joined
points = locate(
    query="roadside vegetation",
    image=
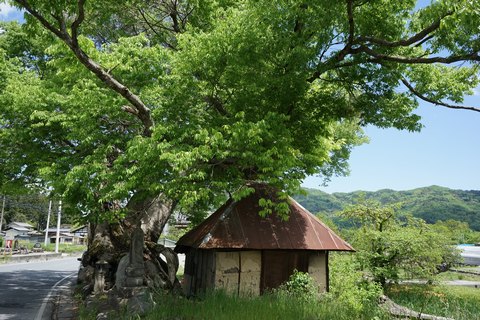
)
(62, 247)
(66, 248)
(391, 247)
(452, 276)
(460, 303)
(218, 305)
(349, 298)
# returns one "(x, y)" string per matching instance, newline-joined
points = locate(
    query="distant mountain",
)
(430, 203)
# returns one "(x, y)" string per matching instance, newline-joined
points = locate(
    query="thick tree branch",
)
(359, 45)
(438, 103)
(217, 104)
(144, 113)
(340, 56)
(474, 56)
(351, 32)
(79, 19)
(420, 36)
(40, 18)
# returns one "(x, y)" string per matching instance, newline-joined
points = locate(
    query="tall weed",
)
(349, 287)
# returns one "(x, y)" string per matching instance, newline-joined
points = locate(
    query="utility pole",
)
(58, 225)
(3, 210)
(48, 221)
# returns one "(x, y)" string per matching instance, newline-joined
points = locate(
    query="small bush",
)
(301, 286)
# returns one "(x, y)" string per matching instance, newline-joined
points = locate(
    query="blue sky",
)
(8, 13)
(445, 153)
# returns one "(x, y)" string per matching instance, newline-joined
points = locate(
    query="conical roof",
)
(238, 225)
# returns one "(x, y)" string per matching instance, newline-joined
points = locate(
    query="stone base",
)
(136, 300)
(135, 271)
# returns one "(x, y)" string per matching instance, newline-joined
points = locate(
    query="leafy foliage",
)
(33, 209)
(348, 285)
(301, 286)
(102, 101)
(389, 247)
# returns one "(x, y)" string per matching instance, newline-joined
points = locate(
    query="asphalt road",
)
(25, 288)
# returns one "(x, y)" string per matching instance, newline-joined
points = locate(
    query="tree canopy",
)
(102, 101)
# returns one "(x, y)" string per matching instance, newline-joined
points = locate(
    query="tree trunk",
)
(109, 248)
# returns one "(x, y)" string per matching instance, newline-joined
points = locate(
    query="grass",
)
(65, 248)
(471, 269)
(62, 247)
(450, 275)
(4, 258)
(460, 303)
(220, 306)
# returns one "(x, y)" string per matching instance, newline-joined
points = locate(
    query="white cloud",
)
(476, 91)
(6, 9)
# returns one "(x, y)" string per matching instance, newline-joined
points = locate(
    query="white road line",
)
(47, 298)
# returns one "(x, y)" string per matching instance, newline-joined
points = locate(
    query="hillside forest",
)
(434, 204)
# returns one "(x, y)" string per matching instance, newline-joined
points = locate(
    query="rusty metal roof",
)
(238, 225)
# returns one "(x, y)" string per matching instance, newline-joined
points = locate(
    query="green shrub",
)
(301, 286)
(349, 287)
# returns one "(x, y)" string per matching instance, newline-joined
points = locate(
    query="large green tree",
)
(129, 109)
(390, 248)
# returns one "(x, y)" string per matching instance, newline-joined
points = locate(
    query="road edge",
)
(41, 311)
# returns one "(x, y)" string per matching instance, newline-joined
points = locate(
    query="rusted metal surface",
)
(238, 225)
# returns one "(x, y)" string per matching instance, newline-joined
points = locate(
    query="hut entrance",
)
(278, 265)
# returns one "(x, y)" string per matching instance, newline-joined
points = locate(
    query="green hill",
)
(430, 203)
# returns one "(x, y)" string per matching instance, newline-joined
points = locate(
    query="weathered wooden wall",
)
(318, 269)
(251, 267)
(199, 271)
(238, 271)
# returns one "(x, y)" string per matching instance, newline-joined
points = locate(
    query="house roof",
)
(19, 224)
(19, 228)
(238, 225)
(78, 228)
